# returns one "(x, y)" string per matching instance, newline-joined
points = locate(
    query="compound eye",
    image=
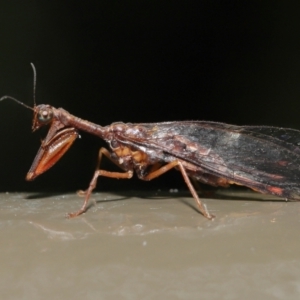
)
(45, 115)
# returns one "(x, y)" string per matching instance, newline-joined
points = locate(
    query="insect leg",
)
(99, 172)
(202, 208)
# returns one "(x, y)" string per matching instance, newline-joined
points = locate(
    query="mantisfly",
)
(265, 159)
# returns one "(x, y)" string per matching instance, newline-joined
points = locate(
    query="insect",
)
(265, 159)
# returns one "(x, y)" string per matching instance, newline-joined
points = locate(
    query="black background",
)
(141, 61)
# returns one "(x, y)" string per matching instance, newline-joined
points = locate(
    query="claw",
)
(75, 214)
(81, 193)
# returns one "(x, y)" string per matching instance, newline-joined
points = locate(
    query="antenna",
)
(11, 98)
(34, 88)
(34, 83)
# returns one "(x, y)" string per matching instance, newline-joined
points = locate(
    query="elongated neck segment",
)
(69, 120)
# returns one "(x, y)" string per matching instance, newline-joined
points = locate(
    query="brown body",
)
(213, 153)
(265, 159)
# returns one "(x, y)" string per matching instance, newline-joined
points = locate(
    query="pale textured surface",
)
(155, 247)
